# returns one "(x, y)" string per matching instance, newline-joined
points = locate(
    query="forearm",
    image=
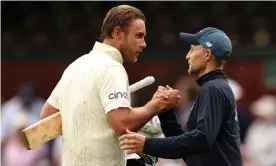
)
(178, 146)
(138, 117)
(169, 124)
(155, 147)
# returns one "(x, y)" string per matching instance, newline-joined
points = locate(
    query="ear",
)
(208, 55)
(117, 32)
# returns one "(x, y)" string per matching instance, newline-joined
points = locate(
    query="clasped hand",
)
(168, 97)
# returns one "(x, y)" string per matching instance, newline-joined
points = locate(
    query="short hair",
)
(121, 16)
(219, 62)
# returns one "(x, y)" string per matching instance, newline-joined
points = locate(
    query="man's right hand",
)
(166, 98)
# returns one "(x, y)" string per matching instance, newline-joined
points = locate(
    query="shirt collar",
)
(211, 76)
(113, 52)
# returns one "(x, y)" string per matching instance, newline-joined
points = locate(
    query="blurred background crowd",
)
(39, 40)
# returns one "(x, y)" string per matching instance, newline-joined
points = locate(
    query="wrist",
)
(145, 145)
(154, 106)
(148, 146)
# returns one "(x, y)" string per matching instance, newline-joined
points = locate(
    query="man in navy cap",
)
(212, 134)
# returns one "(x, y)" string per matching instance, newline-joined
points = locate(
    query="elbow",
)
(204, 141)
(209, 141)
(200, 145)
(122, 127)
(209, 145)
(119, 131)
(206, 144)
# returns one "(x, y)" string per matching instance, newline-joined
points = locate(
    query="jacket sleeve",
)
(169, 124)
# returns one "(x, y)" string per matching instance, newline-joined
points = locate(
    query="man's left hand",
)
(132, 142)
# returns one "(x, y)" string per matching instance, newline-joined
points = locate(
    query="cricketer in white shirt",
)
(89, 88)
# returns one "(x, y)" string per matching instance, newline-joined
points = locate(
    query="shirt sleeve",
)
(55, 97)
(209, 119)
(114, 88)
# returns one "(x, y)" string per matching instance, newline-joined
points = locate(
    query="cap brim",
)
(188, 38)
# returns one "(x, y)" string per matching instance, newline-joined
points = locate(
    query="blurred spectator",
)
(25, 102)
(244, 116)
(261, 137)
(57, 151)
(19, 112)
(14, 152)
(184, 111)
(261, 36)
(188, 91)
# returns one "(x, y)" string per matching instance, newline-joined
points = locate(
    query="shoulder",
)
(209, 86)
(210, 91)
(113, 71)
(218, 87)
(104, 59)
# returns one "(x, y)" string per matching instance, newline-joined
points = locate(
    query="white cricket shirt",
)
(89, 88)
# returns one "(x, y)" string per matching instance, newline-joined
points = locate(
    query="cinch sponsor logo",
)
(117, 95)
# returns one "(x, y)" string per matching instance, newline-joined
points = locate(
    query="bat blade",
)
(42, 131)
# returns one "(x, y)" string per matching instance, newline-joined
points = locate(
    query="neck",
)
(208, 69)
(111, 43)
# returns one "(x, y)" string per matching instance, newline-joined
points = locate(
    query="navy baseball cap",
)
(211, 38)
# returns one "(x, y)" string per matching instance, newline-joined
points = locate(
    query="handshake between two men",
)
(166, 98)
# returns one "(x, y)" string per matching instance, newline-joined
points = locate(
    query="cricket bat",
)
(51, 127)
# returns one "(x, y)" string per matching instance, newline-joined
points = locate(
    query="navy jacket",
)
(212, 135)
